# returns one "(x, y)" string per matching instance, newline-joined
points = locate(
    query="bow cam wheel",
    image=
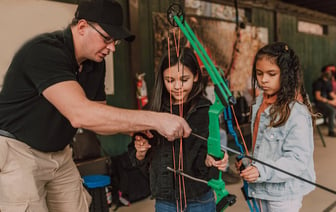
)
(175, 10)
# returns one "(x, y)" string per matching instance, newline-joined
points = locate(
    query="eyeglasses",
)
(107, 40)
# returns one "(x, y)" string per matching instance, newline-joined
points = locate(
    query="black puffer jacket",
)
(164, 186)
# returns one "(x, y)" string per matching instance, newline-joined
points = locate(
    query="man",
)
(51, 88)
(325, 98)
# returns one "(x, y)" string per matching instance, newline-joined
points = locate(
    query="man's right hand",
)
(172, 126)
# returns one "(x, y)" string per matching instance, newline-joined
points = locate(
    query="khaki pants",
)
(34, 181)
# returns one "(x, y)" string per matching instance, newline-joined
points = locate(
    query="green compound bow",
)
(223, 99)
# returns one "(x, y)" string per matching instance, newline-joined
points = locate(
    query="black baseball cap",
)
(108, 14)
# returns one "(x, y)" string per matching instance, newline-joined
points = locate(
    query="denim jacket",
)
(289, 147)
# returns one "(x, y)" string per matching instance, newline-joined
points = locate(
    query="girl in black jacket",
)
(179, 89)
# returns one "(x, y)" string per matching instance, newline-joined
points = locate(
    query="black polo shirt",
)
(41, 62)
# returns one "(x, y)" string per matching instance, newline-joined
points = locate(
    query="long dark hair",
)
(291, 80)
(160, 95)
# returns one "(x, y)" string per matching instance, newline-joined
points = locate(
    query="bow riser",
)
(214, 135)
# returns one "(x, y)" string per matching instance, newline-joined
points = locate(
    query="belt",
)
(7, 134)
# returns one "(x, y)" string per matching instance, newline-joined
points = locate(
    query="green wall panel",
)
(314, 50)
(264, 18)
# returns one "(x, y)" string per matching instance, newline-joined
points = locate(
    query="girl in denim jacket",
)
(282, 126)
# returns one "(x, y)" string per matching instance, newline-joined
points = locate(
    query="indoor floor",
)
(317, 201)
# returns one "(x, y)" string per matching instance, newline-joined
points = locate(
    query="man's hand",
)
(172, 126)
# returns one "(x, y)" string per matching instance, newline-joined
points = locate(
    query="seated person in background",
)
(325, 98)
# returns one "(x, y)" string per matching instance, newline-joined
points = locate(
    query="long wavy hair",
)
(291, 81)
(160, 95)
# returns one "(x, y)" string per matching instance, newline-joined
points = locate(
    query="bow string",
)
(223, 98)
